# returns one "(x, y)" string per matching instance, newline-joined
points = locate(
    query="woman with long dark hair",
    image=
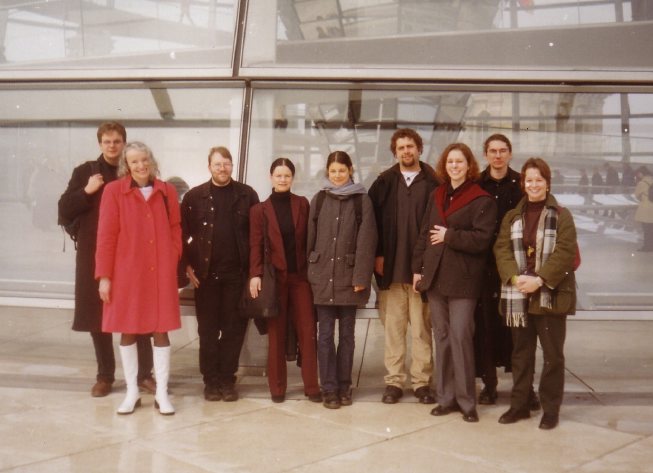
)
(283, 220)
(341, 244)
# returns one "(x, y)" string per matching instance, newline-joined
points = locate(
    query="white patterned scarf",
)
(514, 304)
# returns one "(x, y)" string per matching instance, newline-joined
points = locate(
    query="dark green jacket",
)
(557, 272)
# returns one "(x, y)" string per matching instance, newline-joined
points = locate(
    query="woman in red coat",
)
(138, 247)
(285, 215)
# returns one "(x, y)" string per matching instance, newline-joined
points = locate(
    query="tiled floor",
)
(50, 423)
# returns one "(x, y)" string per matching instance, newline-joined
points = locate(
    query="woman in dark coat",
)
(341, 244)
(535, 253)
(448, 264)
(285, 217)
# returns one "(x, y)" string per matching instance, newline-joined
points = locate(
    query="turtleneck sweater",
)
(282, 209)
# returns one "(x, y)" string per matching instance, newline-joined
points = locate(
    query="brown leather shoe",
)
(391, 394)
(147, 385)
(101, 388)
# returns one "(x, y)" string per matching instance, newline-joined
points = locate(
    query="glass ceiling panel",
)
(106, 34)
(450, 34)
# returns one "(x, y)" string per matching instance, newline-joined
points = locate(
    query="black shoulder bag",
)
(266, 305)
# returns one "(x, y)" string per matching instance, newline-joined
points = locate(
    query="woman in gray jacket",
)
(341, 244)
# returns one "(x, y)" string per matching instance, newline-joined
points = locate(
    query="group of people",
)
(480, 261)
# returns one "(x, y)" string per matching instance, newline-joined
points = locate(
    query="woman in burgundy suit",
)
(285, 216)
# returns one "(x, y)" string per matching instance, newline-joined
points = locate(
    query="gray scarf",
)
(514, 304)
(349, 188)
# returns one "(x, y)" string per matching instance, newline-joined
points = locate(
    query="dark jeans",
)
(106, 361)
(551, 330)
(335, 366)
(220, 328)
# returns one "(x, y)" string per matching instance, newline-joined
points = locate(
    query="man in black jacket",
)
(492, 340)
(215, 225)
(81, 201)
(399, 196)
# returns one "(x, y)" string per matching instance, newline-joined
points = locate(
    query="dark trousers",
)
(492, 339)
(221, 330)
(648, 236)
(296, 303)
(335, 366)
(453, 329)
(551, 330)
(106, 361)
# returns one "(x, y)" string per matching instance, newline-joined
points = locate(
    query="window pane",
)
(118, 34)
(46, 132)
(580, 136)
(489, 35)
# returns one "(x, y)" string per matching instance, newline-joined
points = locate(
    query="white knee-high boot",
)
(162, 373)
(129, 356)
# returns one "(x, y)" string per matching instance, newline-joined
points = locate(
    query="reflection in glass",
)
(442, 34)
(580, 135)
(46, 132)
(120, 33)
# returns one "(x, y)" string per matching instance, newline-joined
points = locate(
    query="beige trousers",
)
(398, 307)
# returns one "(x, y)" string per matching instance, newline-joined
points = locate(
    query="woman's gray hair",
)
(123, 168)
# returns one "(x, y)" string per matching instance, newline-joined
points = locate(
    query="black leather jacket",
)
(197, 220)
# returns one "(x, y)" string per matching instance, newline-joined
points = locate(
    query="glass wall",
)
(581, 136)
(123, 34)
(571, 81)
(46, 131)
(467, 38)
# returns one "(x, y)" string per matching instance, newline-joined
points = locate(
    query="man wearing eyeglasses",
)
(492, 340)
(215, 226)
(81, 202)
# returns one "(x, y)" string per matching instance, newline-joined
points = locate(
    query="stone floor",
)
(50, 423)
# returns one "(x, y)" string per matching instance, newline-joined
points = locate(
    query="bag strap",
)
(358, 206)
(266, 241)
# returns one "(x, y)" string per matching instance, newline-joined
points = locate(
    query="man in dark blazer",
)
(215, 226)
(81, 200)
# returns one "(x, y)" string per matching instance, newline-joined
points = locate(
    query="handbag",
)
(266, 305)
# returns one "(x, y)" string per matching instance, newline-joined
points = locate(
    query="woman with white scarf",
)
(536, 253)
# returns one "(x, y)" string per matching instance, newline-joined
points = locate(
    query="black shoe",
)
(488, 396)
(278, 398)
(471, 416)
(229, 393)
(345, 398)
(443, 411)
(513, 415)
(212, 393)
(534, 401)
(549, 421)
(392, 394)
(314, 397)
(425, 395)
(331, 400)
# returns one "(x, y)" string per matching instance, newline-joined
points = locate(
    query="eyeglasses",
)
(498, 151)
(222, 165)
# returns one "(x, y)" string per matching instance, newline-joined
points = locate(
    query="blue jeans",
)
(335, 367)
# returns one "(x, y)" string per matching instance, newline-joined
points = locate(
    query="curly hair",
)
(123, 168)
(473, 172)
(406, 133)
